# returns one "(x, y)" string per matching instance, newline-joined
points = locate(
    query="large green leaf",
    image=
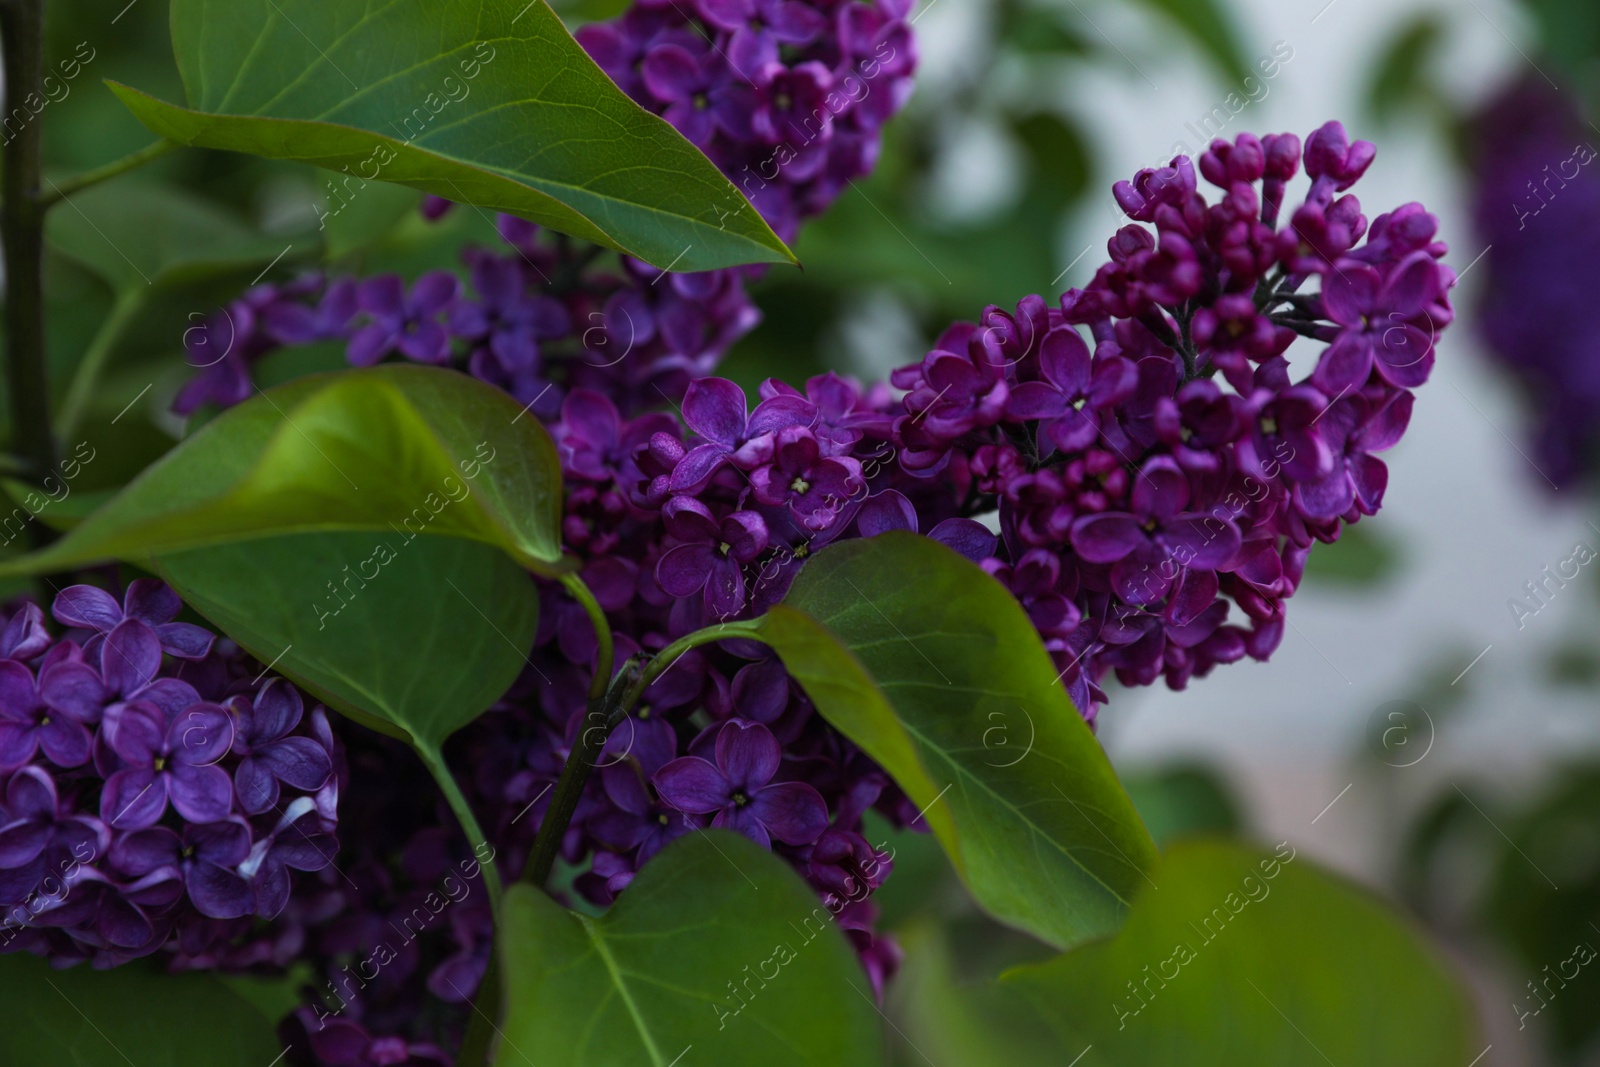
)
(415, 637)
(935, 671)
(399, 449)
(136, 236)
(490, 102)
(87, 1018)
(1248, 957)
(717, 953)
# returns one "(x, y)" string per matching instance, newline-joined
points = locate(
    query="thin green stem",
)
(129, 303)
(601, 715)
(607, 661)
(602, 632)
(61, 190)
(434, 759)
(661, 661)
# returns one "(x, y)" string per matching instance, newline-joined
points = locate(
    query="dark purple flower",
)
(702, 96)
(269, 754)
(1074, 389)
(715, 409)
(760, 26)
(1139, 542)
(1353, 430)
(1385, 321)
(298, 841)
(738, 787)
(24, 635)
(42, 839)
(815, 487)
(408, 323)
(712, 554)
(890, 510)
(208, 855)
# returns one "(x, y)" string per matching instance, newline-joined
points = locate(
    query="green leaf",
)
(411, 637)
(487, 102)
(136, 236)
(1184, 800)
(1242, 956)
(933, 668)
(399, 449)
(716, 947)
(133, 1014)
(1363, 558)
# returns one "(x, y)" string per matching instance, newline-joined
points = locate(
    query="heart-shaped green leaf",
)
(414, 637)
(935, 671)
(398, 449)
(136, 236)
(133, 1014)
(487, 102)
(1248, 957)
(717, 953)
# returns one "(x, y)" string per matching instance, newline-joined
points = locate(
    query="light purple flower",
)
(149, 600)
(54, 715)
(169, 758)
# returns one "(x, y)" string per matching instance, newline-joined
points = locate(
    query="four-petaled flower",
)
(712, 554)
(270, 754)
(169, 758)
(739, 788)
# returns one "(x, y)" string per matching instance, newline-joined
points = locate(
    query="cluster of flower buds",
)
(1149, 451)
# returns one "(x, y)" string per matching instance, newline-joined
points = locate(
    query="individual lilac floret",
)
(738, 787)
(150, 601)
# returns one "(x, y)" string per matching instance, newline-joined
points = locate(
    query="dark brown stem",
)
(22, 230)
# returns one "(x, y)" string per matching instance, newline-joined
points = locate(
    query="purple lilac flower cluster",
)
(1537, 208)
(1146, 444)
(153, 795)
(787, 97)
(539, 320)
